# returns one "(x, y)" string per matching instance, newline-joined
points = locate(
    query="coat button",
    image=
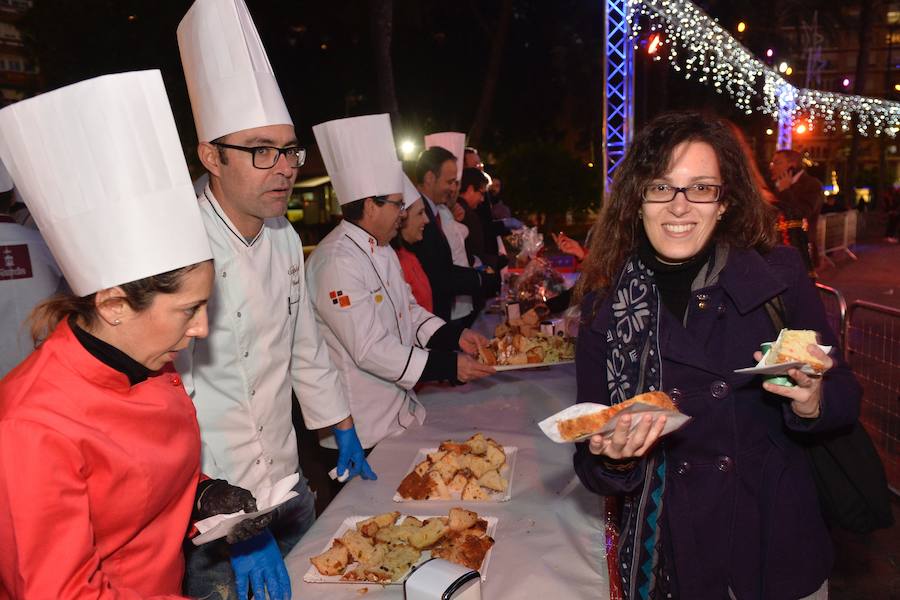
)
(719, 389)
(720, 309)
(176, 380)
(683, 467)
(724, 463)
(676, 395)
(701, 304)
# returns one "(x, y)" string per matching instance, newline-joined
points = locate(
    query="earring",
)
(116, 322)
(640, 215)
(719, 218)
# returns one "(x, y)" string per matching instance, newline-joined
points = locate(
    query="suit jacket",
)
(803, 200)
(447, 280)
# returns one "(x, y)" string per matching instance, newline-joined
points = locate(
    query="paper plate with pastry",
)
(580, 421)
(384, 548)
(478, 469)
(789, 352)
(515, 350)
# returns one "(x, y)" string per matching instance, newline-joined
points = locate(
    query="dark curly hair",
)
(748, 222)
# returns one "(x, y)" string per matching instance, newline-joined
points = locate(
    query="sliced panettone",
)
(333, 561)
(473, 491)
(415, 486)
(495, 456)
(438, 490)
(428, 534)
(399, 559)
(361, 548)
(436, 456)
(370, 526)
(477, 444)
(364, 573)
(423, 467)
(791, 346)
(459, 481)
(447, 467)
(576, 427)
(492, 480)
(461, 519)
(466, 550)
(455, 448)
(476, 464)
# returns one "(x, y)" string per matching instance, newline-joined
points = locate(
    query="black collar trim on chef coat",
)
(226, 224)
(111, 356)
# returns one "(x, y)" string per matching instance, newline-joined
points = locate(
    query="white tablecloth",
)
(549, 539)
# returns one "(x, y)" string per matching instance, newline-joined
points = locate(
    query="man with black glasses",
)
(263, 339)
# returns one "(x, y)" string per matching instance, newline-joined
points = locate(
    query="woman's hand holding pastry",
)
(625, 442)
(806, 396)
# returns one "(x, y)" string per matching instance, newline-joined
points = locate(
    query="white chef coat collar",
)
(797, 176)
(220, 213)
(363, 238)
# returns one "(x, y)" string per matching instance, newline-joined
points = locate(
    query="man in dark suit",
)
(472, 191)
(436, 180)
(799, 198)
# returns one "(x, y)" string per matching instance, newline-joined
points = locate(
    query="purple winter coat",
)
(740, 504)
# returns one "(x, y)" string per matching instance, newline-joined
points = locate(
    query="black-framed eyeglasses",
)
(384, 200)
(699, 193)
(266, 157)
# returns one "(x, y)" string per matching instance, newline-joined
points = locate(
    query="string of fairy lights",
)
(702, 50)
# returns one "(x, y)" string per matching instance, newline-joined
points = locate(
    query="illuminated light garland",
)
(701, 49)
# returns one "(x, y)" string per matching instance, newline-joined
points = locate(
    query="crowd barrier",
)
(835, 310)
(836, 232)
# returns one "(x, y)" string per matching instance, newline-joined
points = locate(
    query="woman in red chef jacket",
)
(99, 443)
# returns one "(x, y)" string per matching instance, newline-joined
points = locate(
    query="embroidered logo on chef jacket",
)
(294, 273)
(15, 262)
(339, 299)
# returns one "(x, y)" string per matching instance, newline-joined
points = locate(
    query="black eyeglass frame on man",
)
(254, 151)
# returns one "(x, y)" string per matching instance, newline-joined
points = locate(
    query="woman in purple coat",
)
(674, 299)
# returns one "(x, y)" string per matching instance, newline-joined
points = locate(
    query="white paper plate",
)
(224, 528)
(313, 576)
(674, 419)
(762, 368)
(506, 471)
(500, 368)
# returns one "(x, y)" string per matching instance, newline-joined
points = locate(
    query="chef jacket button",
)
(676, 395)
(176, 380)
(246, 354)
(719, 389)
(271, 461)
(252, 392)
(257, 461)
(724, 463)
(239, 314)
(260, 428)
(224, 274)
(683, 467)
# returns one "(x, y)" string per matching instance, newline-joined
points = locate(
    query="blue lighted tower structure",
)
(618, 75)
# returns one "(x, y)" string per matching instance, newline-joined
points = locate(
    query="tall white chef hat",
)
(360, 157)
(229, 78)
(104, 174)
(6, 182)
(453, 141)
(410, 192)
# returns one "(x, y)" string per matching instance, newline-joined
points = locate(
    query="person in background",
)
(892, 208)
(799, 198)
(675, 300)
(99, 445)
(381, 340)
(263, 340)
(28, 275)
(412, 228)
(472, 190)
(435, 176)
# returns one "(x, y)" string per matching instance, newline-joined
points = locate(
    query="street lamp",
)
(742, 27)
(407, 148)
(782, 67)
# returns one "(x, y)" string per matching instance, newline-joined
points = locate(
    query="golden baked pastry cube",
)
(436, 456)
(459, 481)
(473, 491)
(399, 559)
(396, 534)
(461, 519)
(428, 534)
(454, 447)
(447, 467)
(477, 444)
(492, 480)
(476, 464)
(495, 456)
(411, 522)
(333, 561)
(438, 490)
(370, 526)
(361, 548)
(423, 467)
(364, 573)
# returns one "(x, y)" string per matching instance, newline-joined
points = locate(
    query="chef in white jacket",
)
(381, 340)
(263, 339)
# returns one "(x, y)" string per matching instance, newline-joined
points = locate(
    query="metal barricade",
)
(835, 311)
(836, 232)
(872, 346)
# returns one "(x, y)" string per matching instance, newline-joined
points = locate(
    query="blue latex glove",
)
(258, 562)
(351, 456)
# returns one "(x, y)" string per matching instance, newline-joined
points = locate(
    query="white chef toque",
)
(360, 157)
(453, 141)
(229, 77)
(410, 192)
(102, 168)
(6, 182)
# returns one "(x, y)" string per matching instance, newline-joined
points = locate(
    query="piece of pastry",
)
(791, 347)
(574, 428)
(333, 561)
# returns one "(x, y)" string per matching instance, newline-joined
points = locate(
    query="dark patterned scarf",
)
(633, 367)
